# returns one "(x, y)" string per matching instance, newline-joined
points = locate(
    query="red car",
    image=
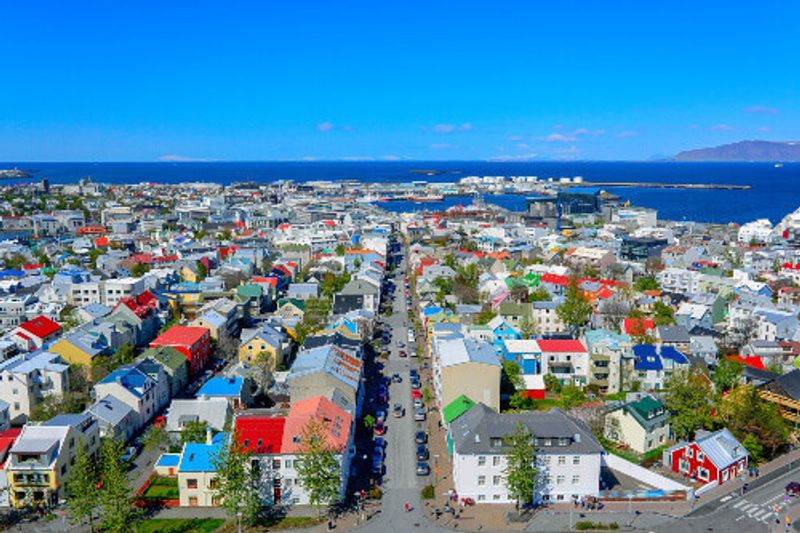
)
(415, 393)
(380, 428)
(402, 353)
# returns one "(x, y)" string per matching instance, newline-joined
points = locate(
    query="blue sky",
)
(143, 81)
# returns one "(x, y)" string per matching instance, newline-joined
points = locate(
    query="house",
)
(140, 312)
(566, 359)
(653, 365)
(528, 356)
(215, 412)
(784, 391)
(357, 294)
(131, 385)
(40, 462)
(545, 319)
(220, 317)
(174, 364)
(7, 439)
(302, 291)
(35, 333)
(330, 371)
(277, 445)
(465, 366)
(116, 418)
(674, 336)
(642, 424)
(711, 458)
(610, 359)
(27, 379)
(83, 346)
(501, 331)
(568, 456)
(290, 308)
(197, 476)
(266, 339)
(236, 390)
(193, 342)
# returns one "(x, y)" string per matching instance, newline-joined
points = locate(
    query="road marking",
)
(739, 504)
(739, 518)
(760, 515)
(726, 498)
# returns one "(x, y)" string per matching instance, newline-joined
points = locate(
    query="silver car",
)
(419, 414)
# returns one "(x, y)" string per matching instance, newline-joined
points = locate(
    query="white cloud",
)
(574, 135)
(722, 127)
(625, 134)
(442, 146)
(557, 138)
(325, 126)
(763, 129)
(516, 157)
(766, 110)
(180, 159)
(450, 128)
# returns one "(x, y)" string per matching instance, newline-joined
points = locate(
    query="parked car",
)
(377, 465)
(402, 353)
(418, 403)
(130, 453)
(382, 393)
(793, 489)
(422, 453)
(423, 469)
(416, 393)
(421, 437)
(380, 428)
(419, 415)
(396, 378)
(398, 411)
(380, 415)
(413, 373)
(380, 441)
(377, 450)
(415, 384)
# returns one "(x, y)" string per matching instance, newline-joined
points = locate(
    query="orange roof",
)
(335, 419)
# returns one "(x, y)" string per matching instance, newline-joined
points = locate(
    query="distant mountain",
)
(767, 151)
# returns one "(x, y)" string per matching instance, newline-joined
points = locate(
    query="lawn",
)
(179, 525)
(275, 523)
(162, 488)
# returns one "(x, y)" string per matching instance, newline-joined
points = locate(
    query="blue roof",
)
(219, 386)
(647, 358)
(198, 457)
(131, 378)
(671, 353)
(169, 460)
(431, 310)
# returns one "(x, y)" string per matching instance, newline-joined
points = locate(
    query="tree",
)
(552, 383)
(747, 414)
(485, 316)
(727, 374)
(528, 328)
(520, 470)
(511, 377)
(115, 500)
(155, 437)
(194, 431)
(264, 364)
(139, 269)
(540, 295)
(663, 314)
(202, 271)
(571, 396)
(468, 275)
(647, 283)
(237, 481)
(369, 422)
(689, 397)
(125, 354)
(81, 488)
(576, 308)
(520, 294)
(319, 469)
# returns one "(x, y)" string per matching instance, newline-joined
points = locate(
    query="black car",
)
(421, 437)
(413, 373)
(422, 453)
(423, 469)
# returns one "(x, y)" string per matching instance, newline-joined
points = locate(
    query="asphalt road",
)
(752, 512)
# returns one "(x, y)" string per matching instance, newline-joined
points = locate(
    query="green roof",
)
(456, 408)
(300, 304)
(251, 290)
(167, 356)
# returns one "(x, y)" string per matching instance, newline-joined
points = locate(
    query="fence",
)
(648, 477)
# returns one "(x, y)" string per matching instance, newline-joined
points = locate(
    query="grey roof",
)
(481, 430)
(111, 410)
(673, 334)
(215, 411)
(358, 287)
(721, 447)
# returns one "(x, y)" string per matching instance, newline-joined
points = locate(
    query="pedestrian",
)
(408, 507)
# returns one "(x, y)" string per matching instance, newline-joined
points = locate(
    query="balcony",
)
(31, 480)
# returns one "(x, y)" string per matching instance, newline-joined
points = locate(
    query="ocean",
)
(775, 191)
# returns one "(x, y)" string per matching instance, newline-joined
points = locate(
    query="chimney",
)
(209, 436)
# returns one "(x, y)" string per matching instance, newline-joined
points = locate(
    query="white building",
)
(567, 454)
(27, 379)
(757, 231)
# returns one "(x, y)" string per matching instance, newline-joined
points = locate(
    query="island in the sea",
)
(754, 151)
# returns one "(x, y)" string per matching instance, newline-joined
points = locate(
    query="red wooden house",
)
(712, 458)
(193, 342)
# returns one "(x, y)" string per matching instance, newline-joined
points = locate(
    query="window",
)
(481, 481)
(496, 480)
(576, 459)
(562, 460)
(576, 479)
(684, 465)
(213, 483)
(702, 473)
(700, 456)
(689, 452)
(560, 479)
(191, 484)
(496, 460)
(63, 469)
(481, 460)
(481, 497)
(496, 497)
(193, 501)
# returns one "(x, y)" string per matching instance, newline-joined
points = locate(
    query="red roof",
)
(753, 361)
(638, 326)
(791, 266)
(85, 230)
(555, 279)
(141, 305)
(180, 336)
(41, 327)
(145, 259)
(101, 241)
(32, 266)
(260, 435)
(561, 345)
(7, 440)
(166, 258)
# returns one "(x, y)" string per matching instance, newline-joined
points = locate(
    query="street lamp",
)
(239, 520)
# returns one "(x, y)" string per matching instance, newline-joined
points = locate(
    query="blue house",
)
(502, 331)
(653, 365)
(234, 389)
(526, 353)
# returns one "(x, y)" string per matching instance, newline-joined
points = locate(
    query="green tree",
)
(264, 364)
(552, 383)
(194, 431)
(369, 422)
(575, 310)
(237, 481)
(125, 354)
(663, 315)
(511, 377)
(690, 399)
(115, 492)
(155, 438)
(520, 470)
(81, 488)
(319, 470)
(202, 271)
(747, 414)
(468, 275)
(647, 283)
(139, 269)
(340, 250)
(540, 295)
(520, 294)
(571, 396)
(485, 316)
(727, 374)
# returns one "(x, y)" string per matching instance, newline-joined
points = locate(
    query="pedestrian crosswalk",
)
(764, 512)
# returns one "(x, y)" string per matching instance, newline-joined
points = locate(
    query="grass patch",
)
(162, 488)
(289, 522)
(586, 525)
(179, 525)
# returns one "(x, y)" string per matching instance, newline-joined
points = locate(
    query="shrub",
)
(375, 493)
(427, 492)
(587, 525)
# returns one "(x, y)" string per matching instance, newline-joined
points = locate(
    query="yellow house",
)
(82, 347)
(187, 273)
(263, 339)
(291, 308)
